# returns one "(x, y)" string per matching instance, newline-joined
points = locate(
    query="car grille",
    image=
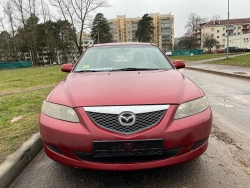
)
(110, 121)
(127, 159)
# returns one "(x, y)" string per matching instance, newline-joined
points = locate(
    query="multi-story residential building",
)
(86, 41)
(123, 29)
(238, 30)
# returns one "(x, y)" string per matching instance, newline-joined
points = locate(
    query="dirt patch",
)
(23, 90)
(222, 136)
(237, 142)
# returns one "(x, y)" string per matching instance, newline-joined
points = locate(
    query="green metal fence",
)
(187, 52)
(14, 65)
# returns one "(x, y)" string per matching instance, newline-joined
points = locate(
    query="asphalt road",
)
(226, 163)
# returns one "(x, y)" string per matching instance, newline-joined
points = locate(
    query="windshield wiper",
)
(134, 69)
(87, 71)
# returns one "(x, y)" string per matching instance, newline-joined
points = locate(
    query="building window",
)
(239, 33)
(218, 37)
(234, 33)
(212, 29)
(224, 28)
(218, 31)
(223, 46)
(234, 28)
(239, 27)
(224, 34)
(223, 41)
(212, 35)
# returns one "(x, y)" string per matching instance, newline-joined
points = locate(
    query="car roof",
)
(124, 43)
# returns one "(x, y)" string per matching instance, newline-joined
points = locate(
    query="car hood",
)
(124, 88)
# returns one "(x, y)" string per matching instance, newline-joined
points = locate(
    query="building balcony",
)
(245, 29)
(198, 33)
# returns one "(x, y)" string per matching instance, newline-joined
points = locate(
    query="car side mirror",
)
(179, 64)
(66, 67)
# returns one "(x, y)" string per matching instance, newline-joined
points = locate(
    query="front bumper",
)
(72, 143)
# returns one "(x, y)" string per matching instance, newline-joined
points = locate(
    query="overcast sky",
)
(179, 8)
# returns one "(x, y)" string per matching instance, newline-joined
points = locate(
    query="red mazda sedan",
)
(125, 106)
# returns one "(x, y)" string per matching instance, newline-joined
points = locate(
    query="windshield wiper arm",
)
(86, 71)
(134, 69)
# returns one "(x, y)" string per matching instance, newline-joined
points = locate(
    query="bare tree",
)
(194, 21)
(20, 10)
(1, 22)
(8, 9)
(216, 18)
(77, 12)
(209, 42)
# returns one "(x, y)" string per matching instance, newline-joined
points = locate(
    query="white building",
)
(238, 32)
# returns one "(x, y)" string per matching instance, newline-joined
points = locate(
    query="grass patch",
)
(243, 60)
(18, 79)
(26, 89)
(197, 57)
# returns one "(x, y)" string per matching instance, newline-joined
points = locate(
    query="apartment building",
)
(123, 29)
(86, 41)
(238, 31)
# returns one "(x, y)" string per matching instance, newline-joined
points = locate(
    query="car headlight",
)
(59, 112)
(191, 107)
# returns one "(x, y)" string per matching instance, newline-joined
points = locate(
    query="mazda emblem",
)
(126, 118)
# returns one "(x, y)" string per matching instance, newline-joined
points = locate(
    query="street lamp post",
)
(227, 29)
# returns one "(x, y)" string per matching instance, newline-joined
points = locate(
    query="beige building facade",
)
(239, 33)
(123, 29)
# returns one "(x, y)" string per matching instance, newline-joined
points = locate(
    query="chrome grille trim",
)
(146, 119)
(118, 109)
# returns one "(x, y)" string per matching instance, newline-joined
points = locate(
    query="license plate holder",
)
(121, 148)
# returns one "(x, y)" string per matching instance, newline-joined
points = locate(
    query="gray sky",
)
(179, 8)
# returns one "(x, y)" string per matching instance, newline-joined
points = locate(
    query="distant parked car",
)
(220, 51)
(169, 53)
(243, 50)
(232, 49)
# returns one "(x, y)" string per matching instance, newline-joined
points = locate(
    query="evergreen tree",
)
(145, 29)
(100, 32)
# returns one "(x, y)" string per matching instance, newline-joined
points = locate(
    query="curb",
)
(219, 73)
(15, 163)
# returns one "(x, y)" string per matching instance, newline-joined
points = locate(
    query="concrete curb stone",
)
(15, 163)
(219, 72)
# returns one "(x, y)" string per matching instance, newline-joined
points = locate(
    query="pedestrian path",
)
(237, 71)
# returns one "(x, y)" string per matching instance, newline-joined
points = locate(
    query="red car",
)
(125, 106)
(220, 51)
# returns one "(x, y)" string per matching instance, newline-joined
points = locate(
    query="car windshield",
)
(122, 58)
